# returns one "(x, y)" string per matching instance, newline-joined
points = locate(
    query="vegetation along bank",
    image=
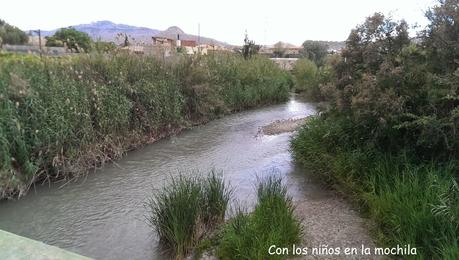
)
(61, 116)
(389, 135)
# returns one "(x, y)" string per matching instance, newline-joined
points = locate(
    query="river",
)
(102, 215)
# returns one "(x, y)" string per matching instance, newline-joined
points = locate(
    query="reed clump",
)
(249, 235)
(185, 210)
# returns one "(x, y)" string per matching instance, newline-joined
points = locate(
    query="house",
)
(163, 41)
(187, 43)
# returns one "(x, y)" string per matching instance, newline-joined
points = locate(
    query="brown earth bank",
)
(96, 155)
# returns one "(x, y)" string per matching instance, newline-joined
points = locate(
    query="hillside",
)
(109, 31)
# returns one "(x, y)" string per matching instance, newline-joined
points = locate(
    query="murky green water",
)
(102, 215)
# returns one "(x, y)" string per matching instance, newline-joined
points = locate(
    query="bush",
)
(11, 34)
(249, 236)
(182, 212)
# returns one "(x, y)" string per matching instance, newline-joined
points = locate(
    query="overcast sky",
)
(265, 21)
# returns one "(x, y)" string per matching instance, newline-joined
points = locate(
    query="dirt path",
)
(328, 220)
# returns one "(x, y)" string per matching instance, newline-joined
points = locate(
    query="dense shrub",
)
(11, 34)
(312, 80)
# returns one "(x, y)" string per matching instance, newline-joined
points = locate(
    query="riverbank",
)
(101, 215)
(63, 116)
(411, 202)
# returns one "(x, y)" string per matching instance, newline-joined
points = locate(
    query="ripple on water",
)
(102, 215)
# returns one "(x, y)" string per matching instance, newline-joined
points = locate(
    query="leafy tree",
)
(73, 39)
(11, 35)
(249, 48)
(126, 41)
(52, 41)
(279, 50)
(377, 40)
(315, 51)
(305, 73)
(396, 93)
(441, 36)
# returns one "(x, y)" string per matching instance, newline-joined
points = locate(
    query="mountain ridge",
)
(105, 30)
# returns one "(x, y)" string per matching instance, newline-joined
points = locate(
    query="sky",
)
(266, 22)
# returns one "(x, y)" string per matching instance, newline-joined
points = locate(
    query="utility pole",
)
(39, 42)
(199, 38)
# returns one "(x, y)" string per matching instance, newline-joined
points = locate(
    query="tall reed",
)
(249, 236)
(186, 209)
(62, 115)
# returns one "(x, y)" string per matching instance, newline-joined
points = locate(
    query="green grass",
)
(217, 196)
(188, 216)
(60, 116)
(411, 201)
(249, 236)
(187, 209)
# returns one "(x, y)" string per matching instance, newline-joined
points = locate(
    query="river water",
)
(102, 215)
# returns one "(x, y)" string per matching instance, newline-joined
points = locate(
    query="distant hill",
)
(109, 31)
(173, 31)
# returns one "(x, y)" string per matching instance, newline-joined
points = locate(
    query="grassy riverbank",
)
(411, 201)
(61, 116)
(388, 138)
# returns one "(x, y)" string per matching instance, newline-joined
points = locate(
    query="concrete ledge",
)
(14, 247)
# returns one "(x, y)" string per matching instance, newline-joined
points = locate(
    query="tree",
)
(126, 41)
(279, 50)
(305, 73)
(52, 41)
(74, 40)
(249, 48)
(378, 40)
(441, 36)
(314, 51)
(396, 92)
(11, 34)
